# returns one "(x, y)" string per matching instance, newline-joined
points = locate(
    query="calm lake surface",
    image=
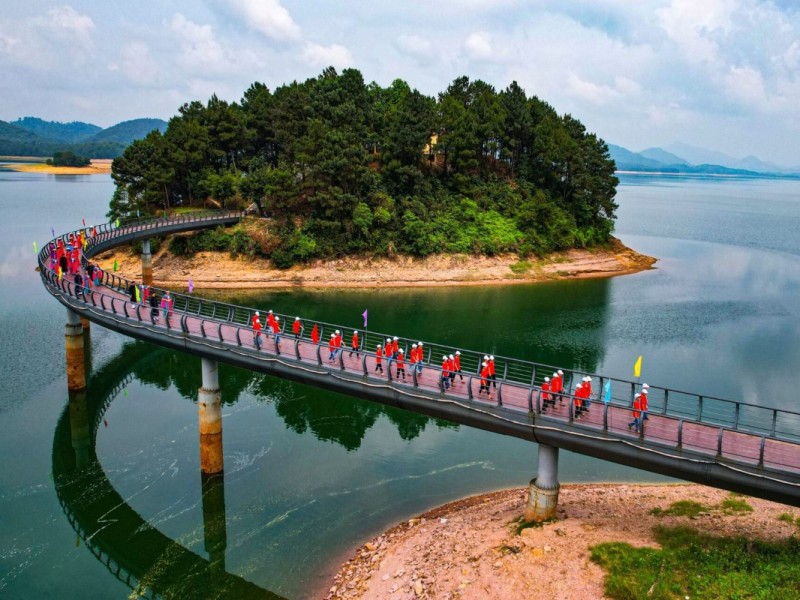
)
(309, 474)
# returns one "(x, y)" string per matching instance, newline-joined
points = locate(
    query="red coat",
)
(412, 356)
(256, 325)
(457, 362)
(338, 341)
(546, 391)
(378, 354)
(637, 406)
(296, 327)
(394, 346)
(315, 334)
(445, 367)
(354, 341)
(400, 364)
(491, 367)
(484, 375)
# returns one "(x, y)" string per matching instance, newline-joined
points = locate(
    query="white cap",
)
(277, 318)
(457, 352)
(270, 311)
(297, 318)
(395, 337)
(388, 339)
(644, 390)
(560, 372)
(637, 395)
(256, 313)
(444, 357)
(587, 378)
(378, 346)
(355, 331)
(413, 345)
(547, 379)
(645, 386)
(333, 335)
(419, 343)
(399, 350)
(337, 332)
(491, 357)
(451, 356)
(485, 357)
(577, 386)
(555, 374)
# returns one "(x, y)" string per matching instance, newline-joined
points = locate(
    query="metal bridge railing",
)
(674, 415)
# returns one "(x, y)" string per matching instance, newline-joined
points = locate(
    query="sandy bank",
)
(97, 167)
(213, 270)
(469, 549)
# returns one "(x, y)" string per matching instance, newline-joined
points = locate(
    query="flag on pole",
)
(115, 266)
(637, 367)
(117, 223)
(35, 248)
(138, 297)
(191, 285)
(607, 392)
(365, 317)
(60, 274)
(84, 222)
(53, 231)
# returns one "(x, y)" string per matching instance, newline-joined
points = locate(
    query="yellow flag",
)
(637, 367)
(138, 300)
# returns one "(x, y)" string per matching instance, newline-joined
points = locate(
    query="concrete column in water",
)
(80, 430)
(76, 367)
(543, 491)
(147, 263)
(210, 416)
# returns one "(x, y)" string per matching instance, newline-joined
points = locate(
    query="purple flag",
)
(191, 285)
(365, 318)
(53, 231)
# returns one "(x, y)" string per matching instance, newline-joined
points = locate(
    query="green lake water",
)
(309, 475)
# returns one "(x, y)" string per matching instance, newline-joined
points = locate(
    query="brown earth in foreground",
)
(469, 549)
(217, 270)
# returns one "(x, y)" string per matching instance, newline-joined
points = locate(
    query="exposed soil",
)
(98, 166)
(469, 549)
(217, 270)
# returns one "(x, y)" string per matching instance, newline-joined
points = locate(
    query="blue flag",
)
(365, 318)
(607, 392)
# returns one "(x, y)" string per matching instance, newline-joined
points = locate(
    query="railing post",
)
(469, 387)
(530, 401)
(297, 348)
(761, 451)
(736, 417)
(719, 441)
(319, 353)
(774, 423)
(500, 394)
(605, 417)
(700, 408)
(666, 400)
(680, 433)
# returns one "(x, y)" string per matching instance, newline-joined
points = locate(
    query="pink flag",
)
(191, 285)
(365, 318)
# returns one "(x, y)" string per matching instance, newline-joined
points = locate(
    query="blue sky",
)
(722, 74)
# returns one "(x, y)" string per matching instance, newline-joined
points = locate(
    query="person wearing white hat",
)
(637, 412)
(354, 343)
(645, 389)
(420, 357)
(257, 331)
(332, 348)
(545, 393)
(560, 387)
(276, 331)
(297, 328)
(401, 365)
(577, 401)
(388, 352)
(484, 372)
(457, 365)
(445, 372)
(587, 392)
(492, 374)
(452, 367)
(378, 358)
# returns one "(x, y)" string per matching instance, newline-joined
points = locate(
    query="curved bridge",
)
(147, 561)
(732, 445)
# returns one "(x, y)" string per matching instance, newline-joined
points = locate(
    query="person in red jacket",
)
(297, 328)
(388, 352)
(338, 343)
(378, 361)
(276, 330)
(457, 365)
(270, 322)
(420, 357)
(257, 331)
(545, 393)
(315, 334)
(492, 375)
(395, 347)
(637, 414)
(645, 389)
(558, 386)
(451, 366)
(445, 373)
(577, 401)
(354, 343)
(332, 348)
(412, 357)
(485, 380)
(401, 369)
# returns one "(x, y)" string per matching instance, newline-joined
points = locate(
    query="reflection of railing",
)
(731, 431)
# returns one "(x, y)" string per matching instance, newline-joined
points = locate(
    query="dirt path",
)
(469, 549)
(217, 270)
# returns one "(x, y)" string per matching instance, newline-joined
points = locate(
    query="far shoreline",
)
(99, 166)
(220, 272)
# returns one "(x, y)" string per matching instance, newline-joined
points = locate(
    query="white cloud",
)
(200, 51)
(335, 55)
(693, 25)
(415, 45)
(479, 46)
(137, 64)
(747, 84)
(7, 42)
(268, 17)
(66, 23)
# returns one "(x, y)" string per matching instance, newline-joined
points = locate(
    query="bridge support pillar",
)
(76, 365)
(80, 431)
(543, 492)
(147, 263)
(210, 416)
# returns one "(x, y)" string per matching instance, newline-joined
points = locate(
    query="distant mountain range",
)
(683, 158)
(32, 136)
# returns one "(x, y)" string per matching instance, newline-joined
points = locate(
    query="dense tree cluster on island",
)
(338, 166)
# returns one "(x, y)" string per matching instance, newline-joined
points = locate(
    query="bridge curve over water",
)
(732, 445)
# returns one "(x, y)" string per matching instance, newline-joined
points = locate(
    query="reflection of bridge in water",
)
(139, 555)
(731, 445)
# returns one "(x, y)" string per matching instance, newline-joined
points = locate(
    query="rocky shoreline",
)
(470, 549)
(217, 270)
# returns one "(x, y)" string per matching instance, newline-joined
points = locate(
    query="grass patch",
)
(786, 517)
(681, 508)
(521, 267)
(528, 524)
(700, 566)
(735, 504)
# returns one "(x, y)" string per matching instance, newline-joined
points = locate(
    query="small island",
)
(335, 169)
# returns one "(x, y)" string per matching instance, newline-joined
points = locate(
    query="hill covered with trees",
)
(32, 136)
(339, 166)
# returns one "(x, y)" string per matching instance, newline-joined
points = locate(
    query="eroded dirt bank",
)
(217, 270)
(469, 549)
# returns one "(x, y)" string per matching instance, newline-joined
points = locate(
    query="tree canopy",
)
(340, 166)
